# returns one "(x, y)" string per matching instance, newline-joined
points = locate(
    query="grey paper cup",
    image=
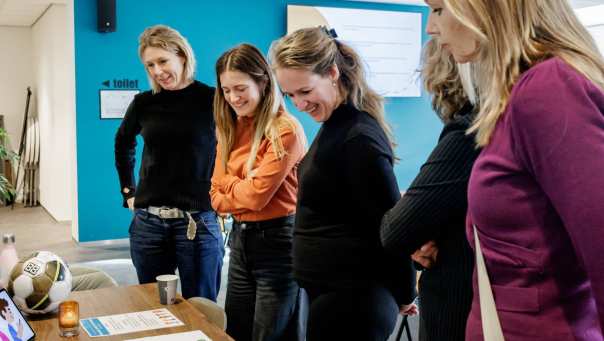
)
(166, 285)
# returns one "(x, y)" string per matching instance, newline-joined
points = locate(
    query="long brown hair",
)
(513, 36)
(268, 120)
(314, 49)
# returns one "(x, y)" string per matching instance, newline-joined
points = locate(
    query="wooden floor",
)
(35, 229)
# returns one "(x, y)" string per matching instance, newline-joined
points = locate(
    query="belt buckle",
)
(247, 226)
(169, 213)
(252, 225)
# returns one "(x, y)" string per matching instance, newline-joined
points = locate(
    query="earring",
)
(333, 84)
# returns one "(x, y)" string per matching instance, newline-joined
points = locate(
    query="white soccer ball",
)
(39, 282)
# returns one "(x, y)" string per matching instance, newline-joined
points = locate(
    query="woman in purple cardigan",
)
(536, 193)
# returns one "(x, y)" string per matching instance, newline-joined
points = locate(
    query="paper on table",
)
(196, 335)
(130, 323)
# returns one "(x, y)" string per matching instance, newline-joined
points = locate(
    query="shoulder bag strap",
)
(491, 327)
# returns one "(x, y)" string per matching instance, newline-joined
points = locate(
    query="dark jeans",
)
(367, 314)
(159, 246)
(262, 296)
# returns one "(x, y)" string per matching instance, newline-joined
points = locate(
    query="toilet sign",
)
(123, 83)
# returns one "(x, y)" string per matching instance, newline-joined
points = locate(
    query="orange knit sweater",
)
(271, 190)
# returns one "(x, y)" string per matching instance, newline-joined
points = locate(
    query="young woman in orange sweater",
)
(259, 148)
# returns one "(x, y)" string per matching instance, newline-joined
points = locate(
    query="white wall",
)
(70, 37)
(598, 33)
(593, 18)
(54, 76)
(15, 77)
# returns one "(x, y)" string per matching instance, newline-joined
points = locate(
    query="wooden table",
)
(121, 300)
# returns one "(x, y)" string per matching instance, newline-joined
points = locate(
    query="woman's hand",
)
(426, 255)
(129, 201)
(408, 309)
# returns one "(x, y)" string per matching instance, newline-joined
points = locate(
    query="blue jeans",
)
(159, 246)
(262, 296)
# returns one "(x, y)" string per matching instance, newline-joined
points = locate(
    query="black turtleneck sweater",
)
(346, 184)
(179, 148)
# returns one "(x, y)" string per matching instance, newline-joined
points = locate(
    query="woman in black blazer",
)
(432, 211)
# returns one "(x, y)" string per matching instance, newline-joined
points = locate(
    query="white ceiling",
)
(26, 12)
(23, 12)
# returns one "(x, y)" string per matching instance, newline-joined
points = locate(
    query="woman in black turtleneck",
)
(346, 184)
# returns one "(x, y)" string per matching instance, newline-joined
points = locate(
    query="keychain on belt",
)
(191, 228)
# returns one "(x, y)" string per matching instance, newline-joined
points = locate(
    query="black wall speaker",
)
(107, 20)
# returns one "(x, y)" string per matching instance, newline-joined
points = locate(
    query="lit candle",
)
(69, 318)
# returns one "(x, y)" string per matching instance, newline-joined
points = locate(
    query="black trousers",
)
(262, 296)
(367, 314)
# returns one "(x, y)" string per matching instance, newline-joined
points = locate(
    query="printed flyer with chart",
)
(130, 323)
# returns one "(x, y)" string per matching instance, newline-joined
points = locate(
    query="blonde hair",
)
(269, 120)
(169, 39)
(442, 79)
(315, 50)
(514, 35)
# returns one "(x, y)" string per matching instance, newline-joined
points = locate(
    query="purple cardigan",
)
(536, 195)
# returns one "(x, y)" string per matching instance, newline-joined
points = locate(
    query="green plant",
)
(7, 192)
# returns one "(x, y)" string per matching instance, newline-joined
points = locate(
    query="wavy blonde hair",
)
(313, 49)
(269, 120)
(514, 35)
(169, 39)
(443, 80)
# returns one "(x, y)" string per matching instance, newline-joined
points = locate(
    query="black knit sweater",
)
(434, 208)
(346, 184)
(179, 148)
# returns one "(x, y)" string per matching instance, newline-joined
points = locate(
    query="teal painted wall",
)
(211, 27)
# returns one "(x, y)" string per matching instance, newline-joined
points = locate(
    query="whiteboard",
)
(388, 42)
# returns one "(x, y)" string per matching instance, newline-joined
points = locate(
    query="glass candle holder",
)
(69, 318)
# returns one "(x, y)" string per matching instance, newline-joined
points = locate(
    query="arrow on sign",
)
(106, 83)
